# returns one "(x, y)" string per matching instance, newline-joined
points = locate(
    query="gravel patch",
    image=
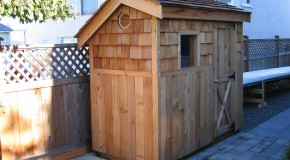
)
(277, 100)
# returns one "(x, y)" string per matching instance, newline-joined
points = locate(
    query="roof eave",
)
(201, 13)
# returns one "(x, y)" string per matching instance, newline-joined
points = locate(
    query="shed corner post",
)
(1, 69)
(155, 35)
(277, 49)
(247, 52)
(94, 139)
(91, 56)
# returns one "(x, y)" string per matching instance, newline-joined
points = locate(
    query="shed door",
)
(224, 79)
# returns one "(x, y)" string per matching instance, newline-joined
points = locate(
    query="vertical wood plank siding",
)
(185, 122)
(121, 79)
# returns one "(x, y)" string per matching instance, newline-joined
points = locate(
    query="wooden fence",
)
(265, 53)
(45, 102)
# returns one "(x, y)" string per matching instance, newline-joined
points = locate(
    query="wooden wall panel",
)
(125, 116)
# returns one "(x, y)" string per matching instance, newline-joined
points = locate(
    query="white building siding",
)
(49, 32)
(269, 18)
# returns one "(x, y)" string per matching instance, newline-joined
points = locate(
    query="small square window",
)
(187, 45)
(189, 49)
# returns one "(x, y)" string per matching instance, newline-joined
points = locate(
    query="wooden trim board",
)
(72, 154)
(122, 73)
(43, 84)
(155, 83)
(148, 7)
(92, 26)
(184, 70)
(65, 152)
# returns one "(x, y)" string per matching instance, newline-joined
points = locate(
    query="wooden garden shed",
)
(165, 76)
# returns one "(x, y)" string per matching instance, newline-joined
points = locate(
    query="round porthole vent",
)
(124, 20)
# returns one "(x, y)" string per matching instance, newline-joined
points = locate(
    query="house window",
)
(89, 6)
(225, 1)
(189, 49)
(85, 7)
(246, 3)
(230, 2)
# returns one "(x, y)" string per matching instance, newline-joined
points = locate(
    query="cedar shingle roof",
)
(209, 4)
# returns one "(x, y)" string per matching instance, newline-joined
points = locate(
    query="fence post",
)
(247, 52)
(1, 81)
(277, 49)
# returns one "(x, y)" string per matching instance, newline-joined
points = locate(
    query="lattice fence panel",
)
(244, 49)
(284, 45)
(44, 62)
(262, 47)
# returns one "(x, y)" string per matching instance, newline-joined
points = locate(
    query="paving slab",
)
(266, 141)
(274, 126)
(267, 132)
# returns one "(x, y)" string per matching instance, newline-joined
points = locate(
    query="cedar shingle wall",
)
(169, 40)
(124, 49)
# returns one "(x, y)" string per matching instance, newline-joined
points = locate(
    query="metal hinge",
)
(233, 76)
